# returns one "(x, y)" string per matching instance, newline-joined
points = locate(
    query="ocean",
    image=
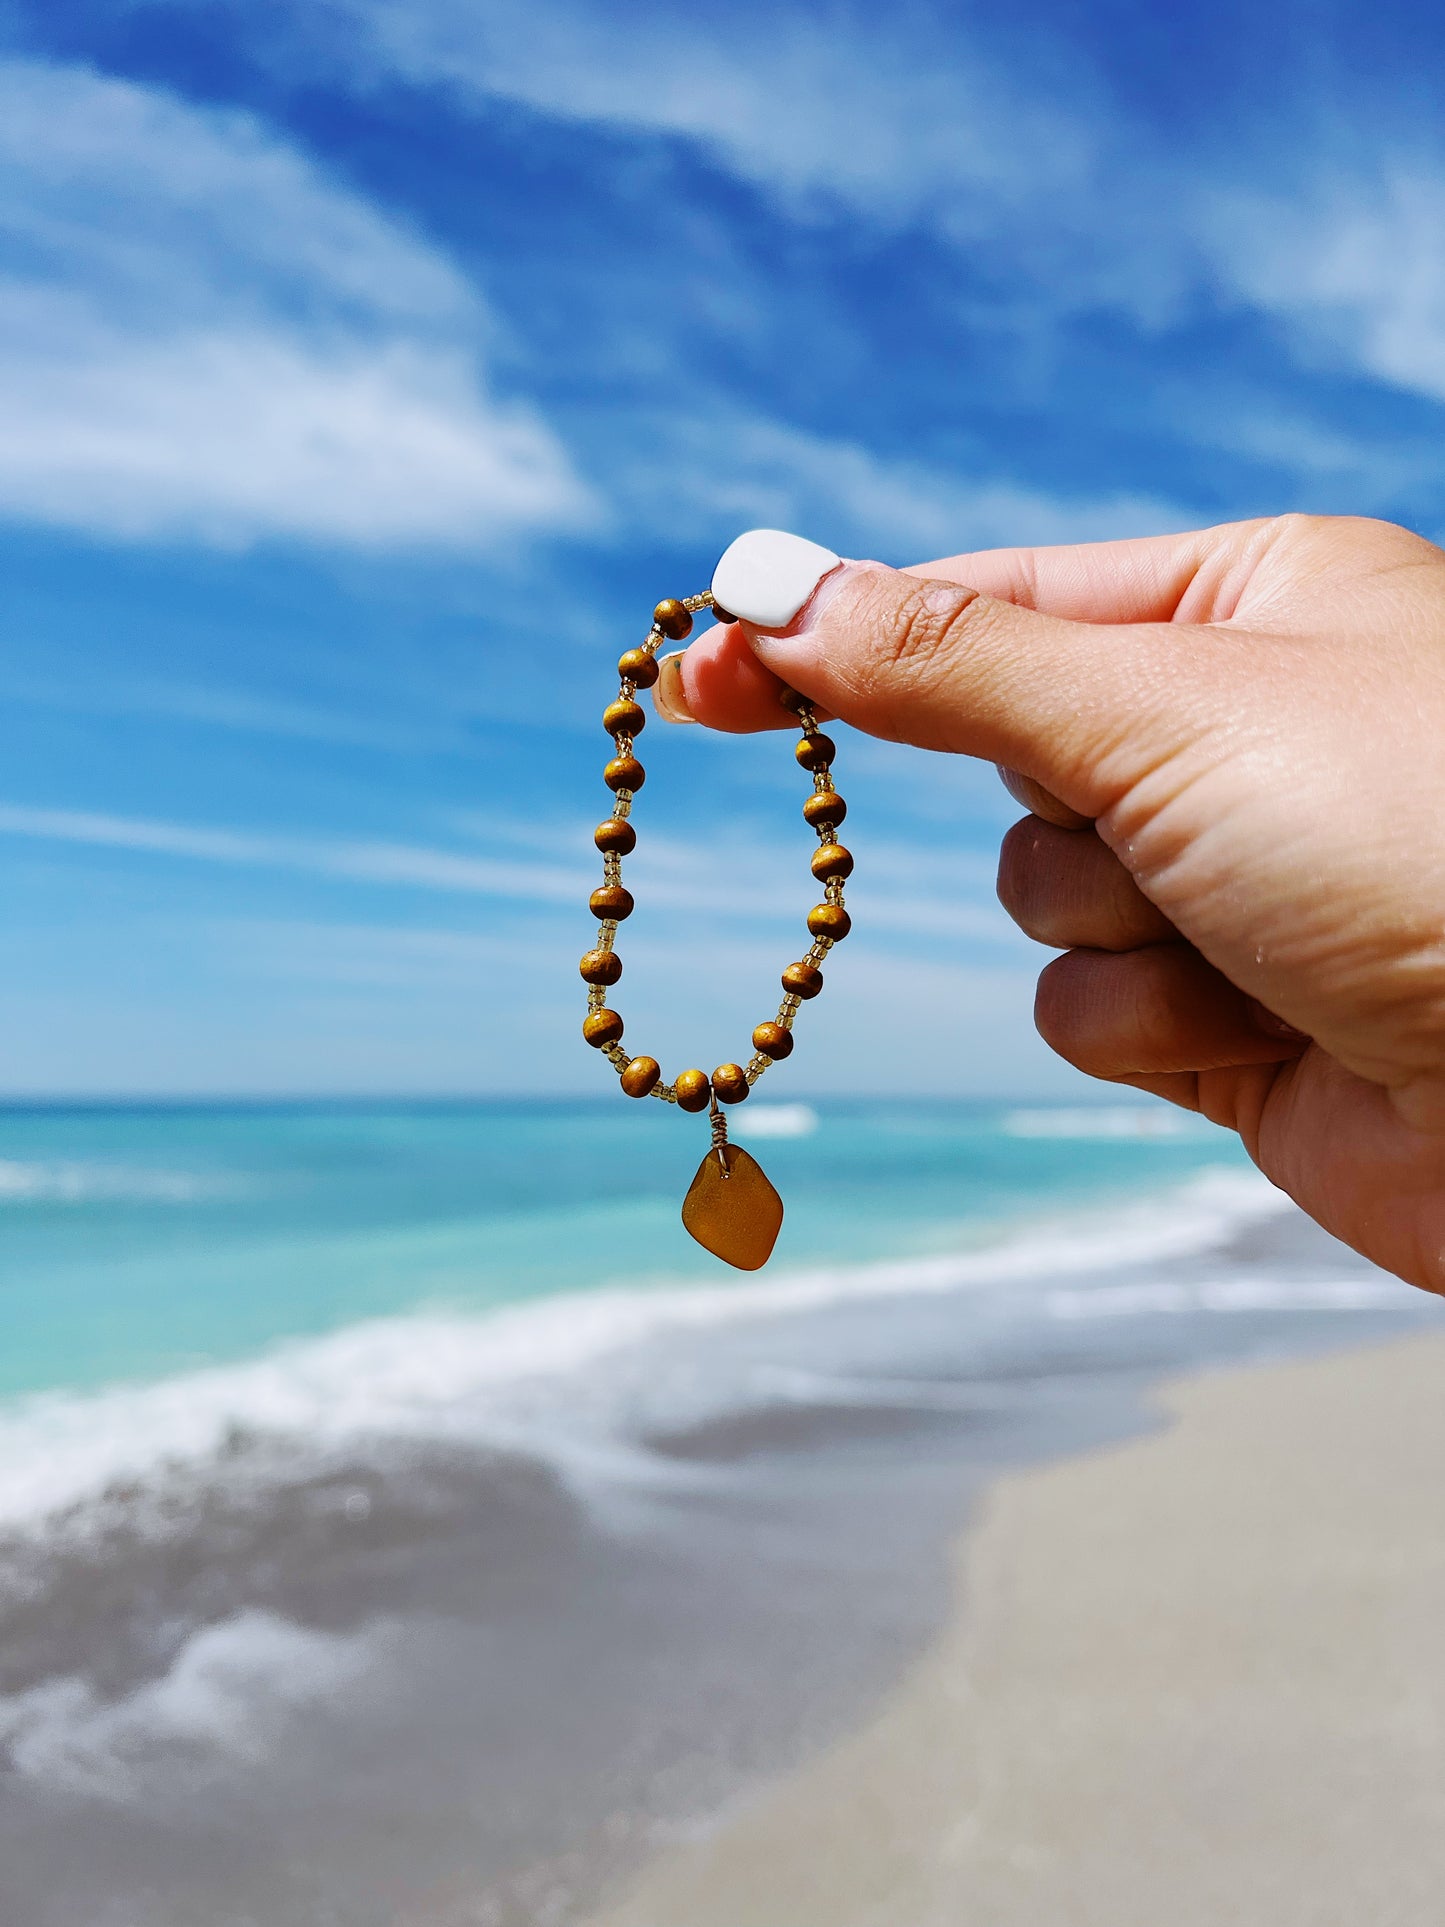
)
(401, 1519)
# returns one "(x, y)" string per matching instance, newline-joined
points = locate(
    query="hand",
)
(1233, 746)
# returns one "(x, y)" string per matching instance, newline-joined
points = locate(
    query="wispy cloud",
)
(901, 894)
(404, 864)
(913, 119)
(1354, 258)
(748, 470)
(240, 710)
(878, 110)
(202, 336)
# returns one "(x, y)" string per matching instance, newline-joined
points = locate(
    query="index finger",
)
(1141, 579)
(1155, 578)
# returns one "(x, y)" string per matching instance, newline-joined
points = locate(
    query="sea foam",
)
(467, 1378)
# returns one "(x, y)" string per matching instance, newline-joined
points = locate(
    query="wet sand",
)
(1195, 1677)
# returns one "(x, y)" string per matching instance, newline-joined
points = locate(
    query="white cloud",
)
(891, 116)
(229, 708)
(906, 118)
(751, 471)
(900, 896)
(1356, 261)
(203, 337)
(405, 864)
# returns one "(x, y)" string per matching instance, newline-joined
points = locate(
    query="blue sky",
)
(369, 367)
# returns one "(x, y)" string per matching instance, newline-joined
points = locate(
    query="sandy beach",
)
(905, 1598)
(1192, 1678)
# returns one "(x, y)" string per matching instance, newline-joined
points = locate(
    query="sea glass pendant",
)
(731, 1208)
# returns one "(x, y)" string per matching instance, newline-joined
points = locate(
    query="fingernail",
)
(767, 576)
(669, 698)
(805, 637)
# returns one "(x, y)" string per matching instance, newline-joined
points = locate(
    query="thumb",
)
(1084, 708)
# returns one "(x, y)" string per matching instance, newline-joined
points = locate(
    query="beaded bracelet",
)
(731, 1208)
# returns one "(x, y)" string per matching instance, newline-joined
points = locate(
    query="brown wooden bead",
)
(624, 718)
(794, 700)
(601, 1027)
(824, 809)
(615, 837)
(831, 860)
(638, 666)
(724, 616)
(802, 980)
(773, 1040)
(610, 903)
(693, 1089)
(640, 1076)
(624, 773)
(829, 920)
(815, 750)
(730, 1083)
(600, 967)
(672, 619)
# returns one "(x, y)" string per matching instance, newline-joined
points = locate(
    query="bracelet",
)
(731, 1208)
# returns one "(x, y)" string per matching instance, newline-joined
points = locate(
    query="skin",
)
(1232, 746)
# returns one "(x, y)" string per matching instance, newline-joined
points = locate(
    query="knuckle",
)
(1297, 528)
(919, 634)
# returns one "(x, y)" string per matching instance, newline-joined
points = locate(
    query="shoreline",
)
(1192, 1677)
(456, 1674)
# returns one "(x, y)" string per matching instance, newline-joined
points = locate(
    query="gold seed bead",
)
(611, 901)
(692, 1089)
(824, 808)
(616, 1056)
(802, 980)
(672, 619)
(730, 1083)
(600, 967)
(622, 808)
(832, 889)
(815, 751)
(639, 667)
(831, 860)
(615, 837)
(624, 773)
(755, 1068)
(829, 920)
(773, 1040)
(602, 1027)
(641, 1075)
(624, 718)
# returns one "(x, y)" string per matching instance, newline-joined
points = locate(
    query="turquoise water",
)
(135, 1244)
(368, 1467)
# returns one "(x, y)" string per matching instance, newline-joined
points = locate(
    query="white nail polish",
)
(767, 575)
